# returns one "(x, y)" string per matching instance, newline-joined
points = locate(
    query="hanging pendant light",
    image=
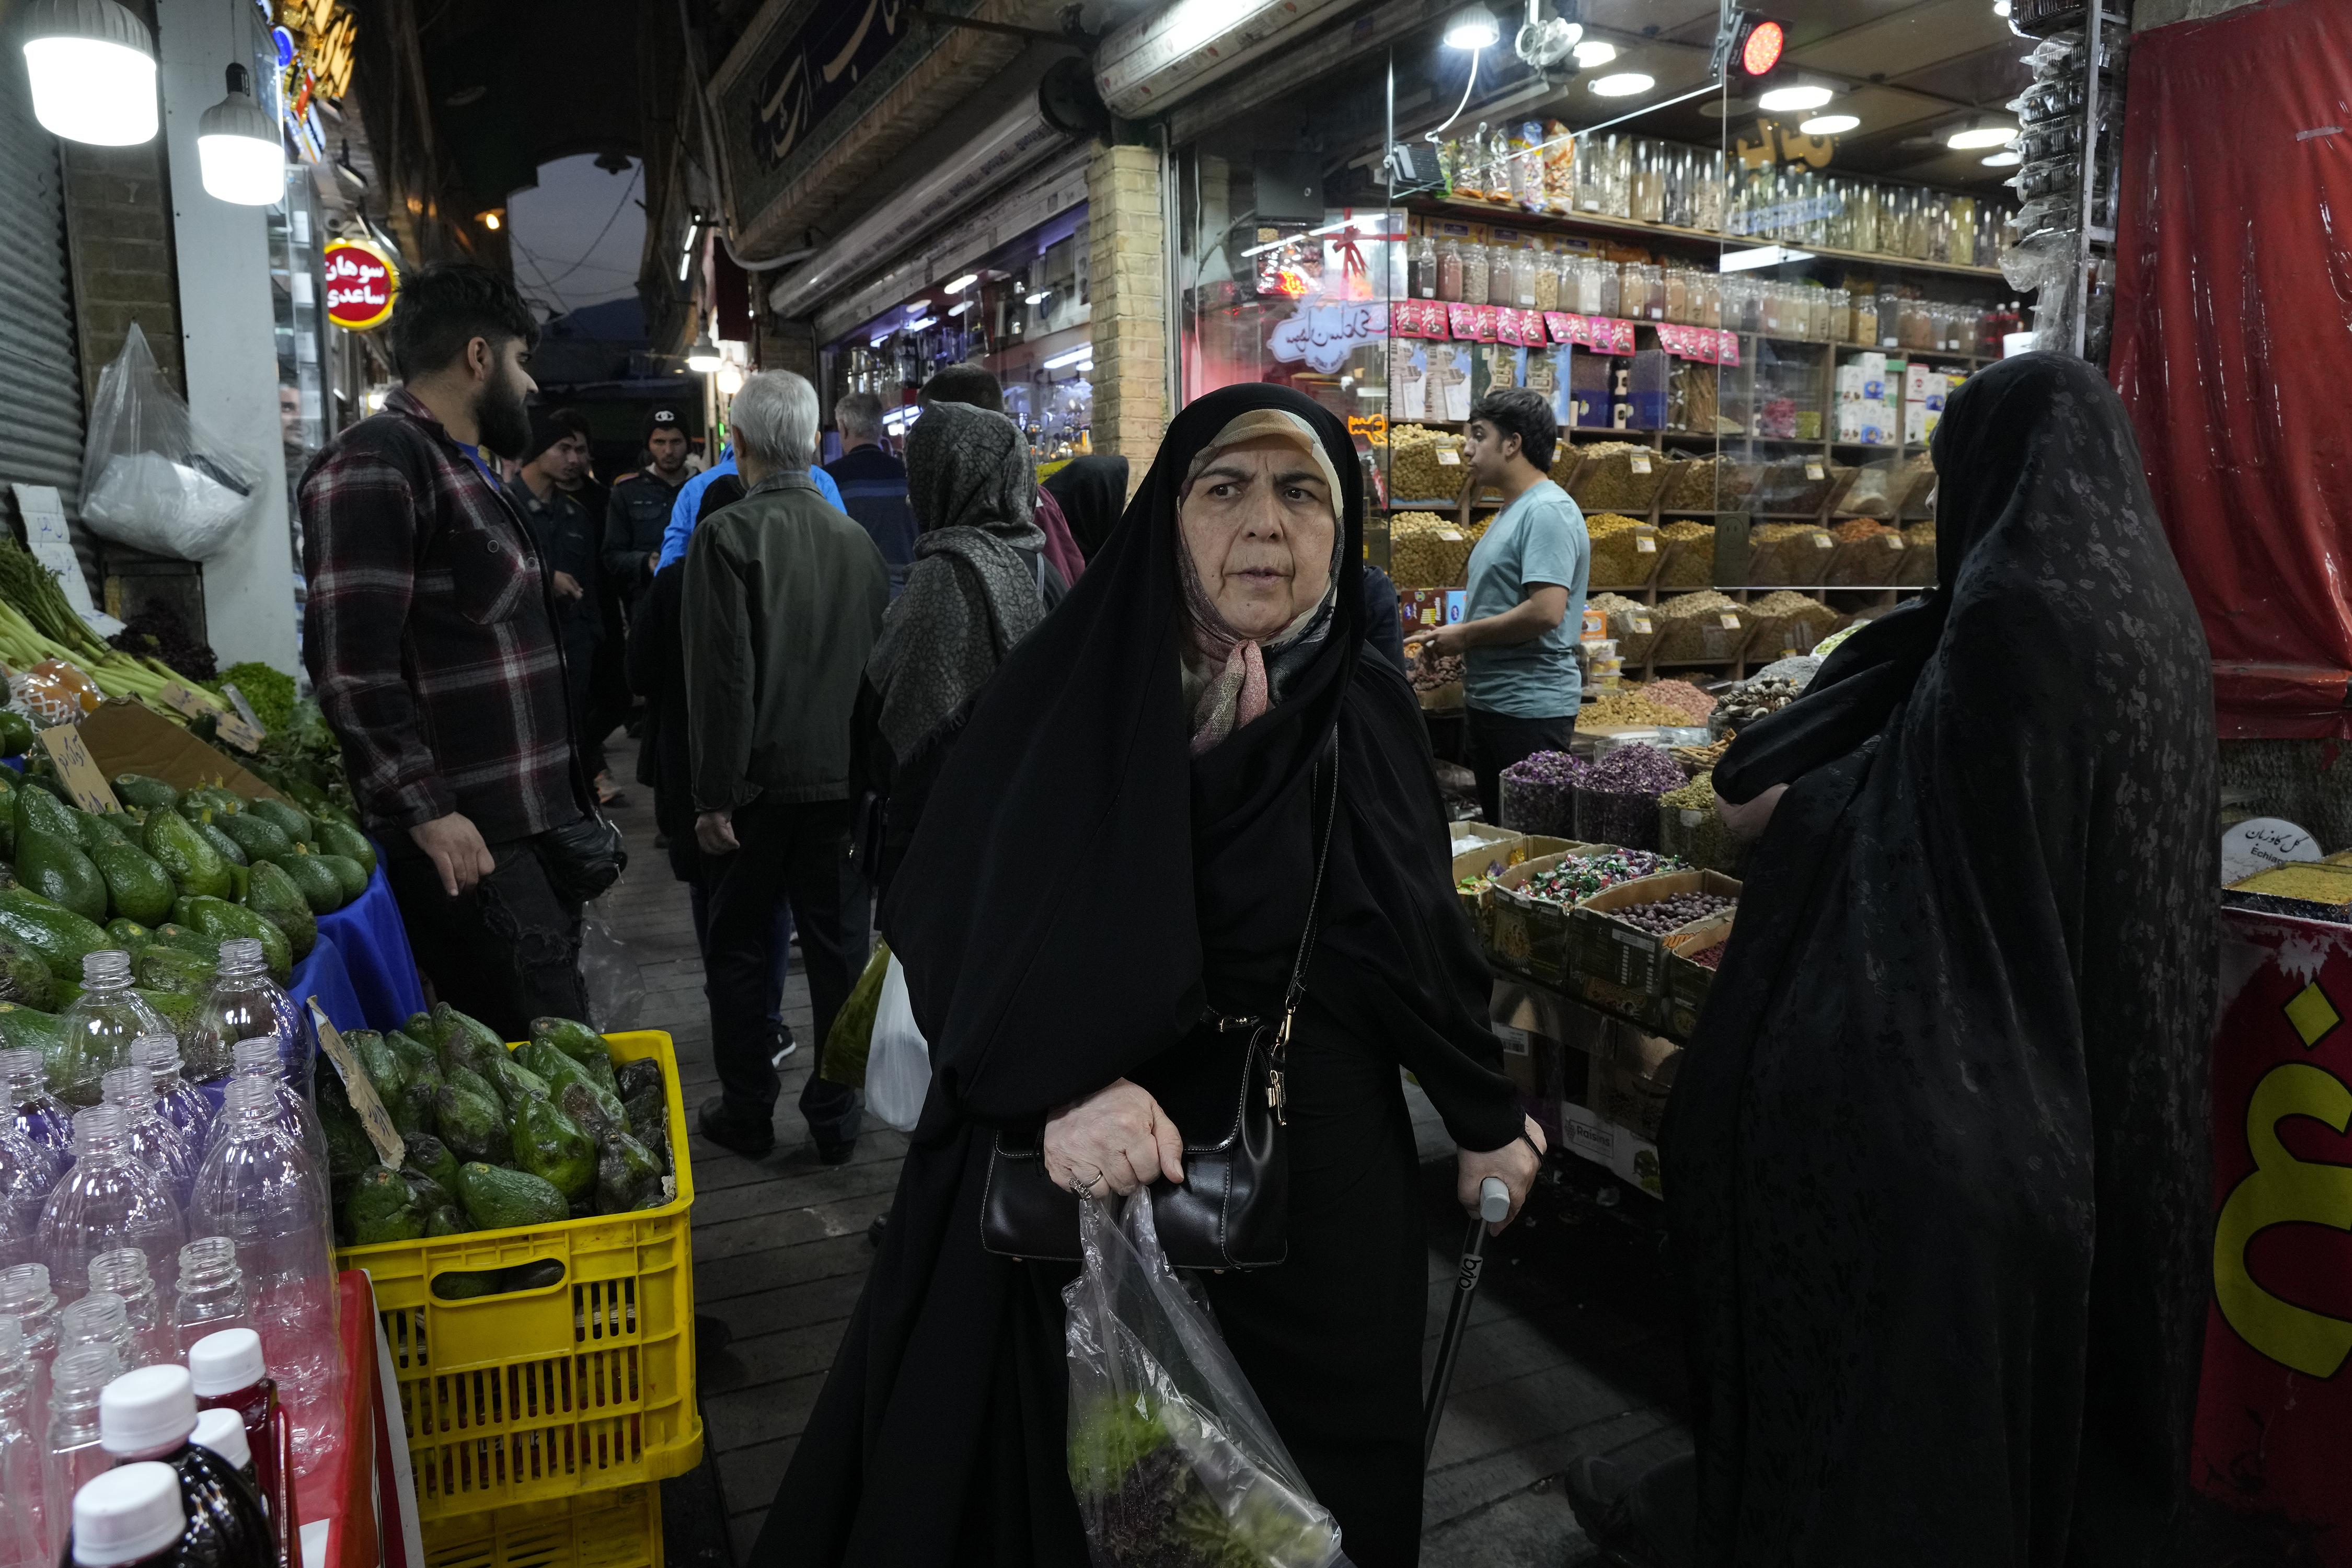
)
(92, 69)
(703, 357)
(238, 147)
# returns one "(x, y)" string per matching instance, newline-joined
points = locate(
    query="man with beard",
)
(431, 633)
(640, 508)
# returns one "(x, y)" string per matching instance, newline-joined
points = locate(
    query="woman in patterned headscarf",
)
(1124, 841)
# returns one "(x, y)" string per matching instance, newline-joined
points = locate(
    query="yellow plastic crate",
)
(618, 1529)
(586, 1383)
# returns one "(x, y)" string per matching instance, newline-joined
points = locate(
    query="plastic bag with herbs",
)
(1173, 1461)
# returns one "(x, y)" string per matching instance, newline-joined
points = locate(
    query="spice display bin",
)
(621, 1528)
(581, 1383)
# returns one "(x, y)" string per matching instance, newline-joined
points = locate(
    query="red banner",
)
(2230, 282)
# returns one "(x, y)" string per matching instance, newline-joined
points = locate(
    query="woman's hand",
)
(1117, 1138)
(1514, 1163)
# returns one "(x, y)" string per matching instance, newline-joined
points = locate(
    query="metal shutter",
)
(40, 375)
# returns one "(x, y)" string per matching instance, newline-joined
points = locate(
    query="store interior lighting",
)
(730, 378)
(686, 253)
(1829, 125)
(1972, 137)
(1762, 256)
(1471, 27)
(926, 322)
(91, 65)
(238, 149)
(1039, 298)
(703, 357)
(1623, 84)
(964, 282)
(491, 221)
(2004, 160)
(1071, 357)
(1594, 52)
(1784, 100)
(959, 309)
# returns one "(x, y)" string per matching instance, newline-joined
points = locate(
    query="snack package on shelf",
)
(1624, 550)
(1629, 623)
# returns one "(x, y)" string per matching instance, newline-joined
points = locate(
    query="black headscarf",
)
(1092, 494)
(1081, 886)
(1937, 1161)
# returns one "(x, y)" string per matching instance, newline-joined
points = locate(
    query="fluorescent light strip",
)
(964, 282)
(1762, 256)
(1071, 357)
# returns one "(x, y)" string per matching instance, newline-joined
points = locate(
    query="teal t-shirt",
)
(1538, 540)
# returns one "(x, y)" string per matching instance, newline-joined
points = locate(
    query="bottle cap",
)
(223, 1431)
(140, 1412)
(126, 1514)
(226, 1362)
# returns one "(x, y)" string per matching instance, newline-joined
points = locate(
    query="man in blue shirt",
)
(1525, 609)
(873, 484)
(683, 511)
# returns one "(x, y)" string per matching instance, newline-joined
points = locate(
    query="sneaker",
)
(783, 1051)
(735, 1133)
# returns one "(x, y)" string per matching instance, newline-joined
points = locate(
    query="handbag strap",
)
(1296, 990)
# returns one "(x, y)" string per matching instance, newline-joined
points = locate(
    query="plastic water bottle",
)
(129, 1518)
(125, 1273)
(211, 1295)
(245, 1003)
(297, 1112)
(154, 1142)
(176, 1098)
(100, 1319)
(150, 1416)
(258, 1188)
(24, 1535)
(95, 1032)
(107, 1200)
(25, 1296)
(40, 1115)
(73, 1457)
(27, 1171)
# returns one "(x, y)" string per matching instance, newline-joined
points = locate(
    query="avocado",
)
(219, 919)
(144, 793)
(212, 797)
(178, 1008)
(583, 1045)
(55, 934)
(578, 1100)
(648, 1113)
(137, 887)
(645, 1073)
(447, 1220)
(561, 1073)
(159, 968)
(348, 1152)
(128, 934)
(379, 1062)
(472, 1121)
(463, 1040)
(429, 1193)
(91, 829)
(38, 808)
(29, 1029)
(271, 894)
(55, 869)
(15, 733)
(321, 889)
(24, 979)
(349, 875)
(430, 1155)
(626, 1170)
(382, 1208)
(514, 1081)
(332, 837)
(288, 820)
(413, 1055)
(260, 839)
(173, 934)
(551, 1146)
(498, 1200)
(200, 869)
(222, 845)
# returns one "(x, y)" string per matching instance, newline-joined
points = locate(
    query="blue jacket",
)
(690, 502)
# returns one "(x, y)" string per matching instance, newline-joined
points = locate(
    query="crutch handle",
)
(1493, 1200)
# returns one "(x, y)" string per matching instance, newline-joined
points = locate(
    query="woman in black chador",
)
(1122, 839)
(1936, 1164)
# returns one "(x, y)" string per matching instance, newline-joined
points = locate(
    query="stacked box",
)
(1617, 966)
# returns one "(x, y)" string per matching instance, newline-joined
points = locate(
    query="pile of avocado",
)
(550, 1131)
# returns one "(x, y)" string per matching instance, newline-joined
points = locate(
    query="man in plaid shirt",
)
(430, 633)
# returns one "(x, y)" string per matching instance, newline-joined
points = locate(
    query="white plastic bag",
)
(898, 1062)
(1173, 1461)
(150, 478)
(617, 986)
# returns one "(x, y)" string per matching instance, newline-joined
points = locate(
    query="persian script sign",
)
(362, 284)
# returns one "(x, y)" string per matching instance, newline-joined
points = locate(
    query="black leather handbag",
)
(1233, 1208)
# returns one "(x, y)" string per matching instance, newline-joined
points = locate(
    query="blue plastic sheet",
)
(362, 965)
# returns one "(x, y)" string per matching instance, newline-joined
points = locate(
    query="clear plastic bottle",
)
(154, 1142)
(101, 1318)
(1449, 271)
(71, 1455)
(25, 1296)
(124, 1272)
(297, 1112)
(1424, 268)
(40, 1115)
(258, 1188)
(1476, 271)
(107, 1200)
(211, 1295)
(175, 1097)
(28, 1172)
(245, 1003)
(95, 1032)
(24, 1537)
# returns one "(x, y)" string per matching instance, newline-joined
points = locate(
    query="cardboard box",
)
(127, 737)
(1553, 1051)
(1617, 966)
(1492, 857)
(1634, 1159)
(1632, 1087)
(1530, 935)
(1688, 983)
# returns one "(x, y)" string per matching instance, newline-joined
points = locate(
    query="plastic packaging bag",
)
(898, 1062)
(1172, 1460)
(847, 1043)
(617, 986)
(150, 478)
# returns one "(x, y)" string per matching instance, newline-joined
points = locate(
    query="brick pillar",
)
(1127, 261)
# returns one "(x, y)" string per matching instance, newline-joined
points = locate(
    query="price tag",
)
(1893, 540)
(232, 726)
(81, 775)
(1451, 535)
(1644, 546)
(1514, 1038)
(1641, 625)
(1447, 457)
(243, 709)
(1730, 622)
(1641, 462)
(374, 1120)
(1692, 818)
(187, 701)
(1823, 541)
(1813, 469)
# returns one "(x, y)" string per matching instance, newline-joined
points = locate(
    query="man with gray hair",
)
(873, 483)
(783, 598)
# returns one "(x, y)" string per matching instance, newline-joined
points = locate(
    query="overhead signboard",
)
(362, 284)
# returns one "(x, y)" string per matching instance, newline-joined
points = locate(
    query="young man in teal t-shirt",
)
(1526, 605)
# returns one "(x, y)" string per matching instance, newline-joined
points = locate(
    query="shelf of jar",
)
(1689, 237)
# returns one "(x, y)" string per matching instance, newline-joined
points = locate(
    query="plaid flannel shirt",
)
(429, 635)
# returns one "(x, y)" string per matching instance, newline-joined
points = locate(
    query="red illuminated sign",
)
(362, 284)
(1761, 50)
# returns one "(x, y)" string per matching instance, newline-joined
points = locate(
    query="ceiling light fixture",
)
(704, 356)
(1762, 256)
(2001, 8)
(92, 68)
(1969, 138)
(1782, 100)
(2004, 160)
(1594, 52)
(686, 252)
(926, 322)
(490, 220)
(959, 309)
(1471, 27)
(1624, 84)
(964, 282)
(730, 378)
(1829, 125)
(1039, 298)
(1071, 357)
(238, 150)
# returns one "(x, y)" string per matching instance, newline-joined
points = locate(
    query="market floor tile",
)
(1569, 1349)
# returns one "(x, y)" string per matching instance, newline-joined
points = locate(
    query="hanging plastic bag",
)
(1172, 1460)
(150, 478)
(617, 986)
(898, 1062)
(852, 1035)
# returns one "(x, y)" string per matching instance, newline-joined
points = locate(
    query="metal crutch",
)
(1494, 1206)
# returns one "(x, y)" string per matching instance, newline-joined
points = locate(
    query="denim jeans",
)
(506, 951)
